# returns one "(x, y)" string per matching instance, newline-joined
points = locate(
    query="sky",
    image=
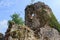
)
(8, 7)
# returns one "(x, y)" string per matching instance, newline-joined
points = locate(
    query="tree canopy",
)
(16, 19)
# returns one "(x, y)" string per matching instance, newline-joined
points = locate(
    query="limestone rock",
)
(37, 18)
(1, 36)
(37, 15)
(25, 33)
(18, 32)
(49, 34)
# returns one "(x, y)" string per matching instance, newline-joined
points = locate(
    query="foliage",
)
(10, 23)
(16, 19)
(52, 20)
(54, 23)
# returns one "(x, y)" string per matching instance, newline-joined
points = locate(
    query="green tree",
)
(18, 20)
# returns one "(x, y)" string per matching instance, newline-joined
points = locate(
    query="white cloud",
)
(6, 3)
(3, 22)
(3, 26)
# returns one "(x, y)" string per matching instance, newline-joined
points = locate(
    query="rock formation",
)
(18, 32)
(38, 25)
(37, 15)
(1, 36)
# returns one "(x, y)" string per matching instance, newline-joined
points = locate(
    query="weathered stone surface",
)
(37, 27)
(47, 33)
(1, 36)
(18, 32)
(25, 33)
(37, 15)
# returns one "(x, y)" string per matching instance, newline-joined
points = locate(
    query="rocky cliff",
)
(1, 36)
(40, 24)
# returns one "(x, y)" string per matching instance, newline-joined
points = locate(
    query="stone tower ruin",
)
(37, 15)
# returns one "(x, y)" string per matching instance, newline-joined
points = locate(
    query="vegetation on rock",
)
(16, 19)
(54, 23)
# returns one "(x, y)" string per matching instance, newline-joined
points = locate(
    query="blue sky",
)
(8, 7)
